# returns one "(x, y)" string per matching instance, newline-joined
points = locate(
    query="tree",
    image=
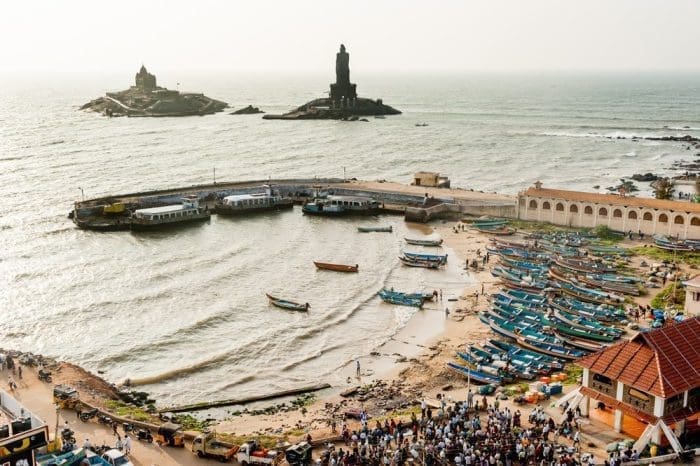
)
(664, 189)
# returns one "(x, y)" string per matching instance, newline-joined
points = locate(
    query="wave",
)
(310, 357)
(181, 371)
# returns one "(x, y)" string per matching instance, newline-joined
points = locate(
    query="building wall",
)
(692, 300)
(619, 218)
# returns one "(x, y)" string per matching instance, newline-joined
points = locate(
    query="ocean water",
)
(183, 313)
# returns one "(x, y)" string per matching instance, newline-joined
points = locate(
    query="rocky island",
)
(249, 110)
(342, 102)
(146, 99)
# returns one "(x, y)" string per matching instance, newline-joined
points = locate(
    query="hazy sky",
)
(303, 35)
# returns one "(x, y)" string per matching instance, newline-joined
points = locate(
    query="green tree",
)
(664, 189)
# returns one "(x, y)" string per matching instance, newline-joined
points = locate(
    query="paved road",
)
(37, 396)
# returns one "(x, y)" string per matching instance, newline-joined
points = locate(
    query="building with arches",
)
(617, 212)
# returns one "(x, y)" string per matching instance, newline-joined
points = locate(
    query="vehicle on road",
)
(252, 453)
(207, 445)
(170, 434)
(116, 458)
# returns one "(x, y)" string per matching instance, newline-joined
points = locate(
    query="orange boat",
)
(337, 267)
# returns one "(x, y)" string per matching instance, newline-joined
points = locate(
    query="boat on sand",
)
(337, 267)
(286, 304)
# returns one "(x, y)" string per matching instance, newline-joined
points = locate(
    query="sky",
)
(380, 35)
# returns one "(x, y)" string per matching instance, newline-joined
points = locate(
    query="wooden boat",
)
(399, 299)
(484, 222)
(424, 242)
(505, 369)
(525, 354)
(476, 376)
(503, 231)
(423, 296)
(601, 313)
(590, 295)
(285, 304)
(420, 263)
(388, 229)
(337, 267)
(584, 266)
(550, 349)
(442, 258)
(580, 343)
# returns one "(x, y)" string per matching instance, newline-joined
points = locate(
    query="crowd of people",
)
(464, 433)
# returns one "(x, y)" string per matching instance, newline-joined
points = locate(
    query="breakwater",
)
(416, 203)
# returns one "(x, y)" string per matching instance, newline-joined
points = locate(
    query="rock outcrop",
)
(342, 101)
(146, 99)
(249, 110)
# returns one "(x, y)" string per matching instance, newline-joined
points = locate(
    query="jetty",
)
(415, 203)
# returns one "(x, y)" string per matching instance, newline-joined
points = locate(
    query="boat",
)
(525, 354)
(158, 217)
(475, 376)
(442, 259)
(424, 242)
(423, 296)
(502, 231)
(336, 267)
(425, 264)
(285, 304)
(400, 300)
(484, 222)
(550, 349)
(255, 202)
(497, 367)
(388, 229)
(341, 205)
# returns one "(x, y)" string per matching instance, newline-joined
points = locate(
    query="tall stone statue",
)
(343, 92)
(342, 67)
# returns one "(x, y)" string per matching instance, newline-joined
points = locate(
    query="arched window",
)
(573, 208)
(602, 212)
(632, 215)
(546, 206)
(679, 220)
(695, 222)
(647, 216)
(533, 204)
(617, 213)
(588, 210)
(560, 207)
(663, 218)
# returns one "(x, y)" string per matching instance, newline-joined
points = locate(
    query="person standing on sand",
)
(357, 366)
(447, 312)
(440, 294)
(127, 445)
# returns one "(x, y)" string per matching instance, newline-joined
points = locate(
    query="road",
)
(37, 396)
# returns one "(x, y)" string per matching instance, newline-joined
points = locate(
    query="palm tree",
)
(664, 189)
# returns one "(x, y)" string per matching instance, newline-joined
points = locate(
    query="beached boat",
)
(500, 231)
(169, 215)
(525, 354)
(591, 295)
(424, 242)
(422, 295)
(388, 229)
(584, 266)
(475, 376)
(504, 369)
(285, 304)
(602, 313)
(425, 264)
(336, 267)
(341, 205)
(550, 349)
(485, 222)
(400, 299)
(581, 343)
(239, 204)
(441, 258)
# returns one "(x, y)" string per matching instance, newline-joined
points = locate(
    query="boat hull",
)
(337, 267)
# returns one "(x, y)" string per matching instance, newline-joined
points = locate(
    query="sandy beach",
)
(394, 376)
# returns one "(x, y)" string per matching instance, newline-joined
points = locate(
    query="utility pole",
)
(214, 175)
(344, 175)
(82, 193)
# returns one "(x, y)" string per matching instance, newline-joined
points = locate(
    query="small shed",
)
(430, 179)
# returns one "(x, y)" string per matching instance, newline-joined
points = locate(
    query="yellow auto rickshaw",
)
(170, 434)
(66, 397)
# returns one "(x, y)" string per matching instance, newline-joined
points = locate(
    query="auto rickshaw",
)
(170, 434)
(66, 397)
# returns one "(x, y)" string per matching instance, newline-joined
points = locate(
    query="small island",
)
(249, 110)
(342, 102)
(146, 99)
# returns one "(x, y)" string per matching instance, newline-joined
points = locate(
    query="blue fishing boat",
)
(528, 355)
(394, 298)
(591, 295)
(425, 264)
(526, 366)
(475, 376)
(599, 312)
(422, 295)
(525, 297)
(441, 258)
(424, 242)
(530, 341)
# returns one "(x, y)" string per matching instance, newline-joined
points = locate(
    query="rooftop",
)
(663, 362)
(693, 282)
(613, 199)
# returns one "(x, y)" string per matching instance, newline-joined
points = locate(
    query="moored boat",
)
(255, 202)
(500, 231)
(388, 229)
(441, 258)
(425, 264)
(475, 376)
(337, 267)
(169, 215)
(286, 304)
(341, 205)
(401, 299)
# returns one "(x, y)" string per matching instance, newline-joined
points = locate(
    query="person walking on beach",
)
(482, 288)
(447, 312)
(357, 367)
(19, 372)
(440, 294)
(127, 445)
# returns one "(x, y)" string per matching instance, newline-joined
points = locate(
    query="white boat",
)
(158, 217)
(244, 203)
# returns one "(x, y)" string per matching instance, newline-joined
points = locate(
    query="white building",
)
(692, 296)
(617, 212)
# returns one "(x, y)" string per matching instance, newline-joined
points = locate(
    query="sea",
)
(182, 314)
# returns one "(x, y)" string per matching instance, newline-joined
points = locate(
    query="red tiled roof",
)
(663, 362)
(613, 199)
